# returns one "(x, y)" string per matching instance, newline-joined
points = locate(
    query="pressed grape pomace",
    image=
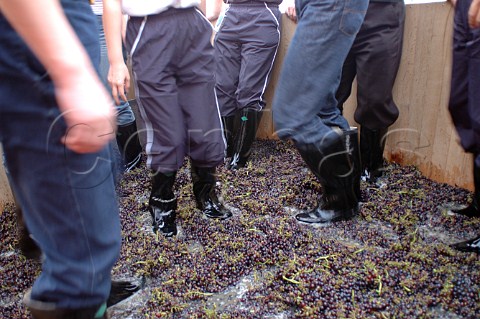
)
(393, 260)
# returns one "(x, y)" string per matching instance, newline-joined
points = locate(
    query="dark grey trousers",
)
(173, 73)
(245, 49)
(374, 59)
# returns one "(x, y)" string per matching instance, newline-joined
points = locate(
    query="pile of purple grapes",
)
(393, 260)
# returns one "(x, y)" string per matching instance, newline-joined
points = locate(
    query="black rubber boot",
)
(357, 163)
(47, 310)
(129, 146)
(244, 137)
(28, 247)
(372, 145)
(472, 210)
(472, 245)
(228, 129)
(204, 180)
(121, 290)
(334, 166)
(163, 204)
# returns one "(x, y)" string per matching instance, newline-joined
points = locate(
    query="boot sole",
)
(323, 221)
(354, 212)
(218, 217)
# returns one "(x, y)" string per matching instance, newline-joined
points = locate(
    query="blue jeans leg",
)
(69, 204)
(125, 113)
(304, 106)
(68, 200)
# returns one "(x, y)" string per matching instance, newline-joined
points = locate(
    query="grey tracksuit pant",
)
(173, 72)
(245, 48)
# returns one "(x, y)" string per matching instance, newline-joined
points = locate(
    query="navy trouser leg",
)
(464, 104)
(378, 50)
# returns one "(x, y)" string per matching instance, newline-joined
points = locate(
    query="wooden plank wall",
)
(5, 192)
(423, 135)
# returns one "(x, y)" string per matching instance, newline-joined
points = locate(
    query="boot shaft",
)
(334, 164)
(248, 121)
(204, 181)
(476, 181)
(338, 170)
(163, 204)
(129, 145)
(229, 132)
(372, 146)
(354, 149)
(162, 185)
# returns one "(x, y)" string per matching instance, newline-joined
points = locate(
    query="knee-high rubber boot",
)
(204, 180)
(163, 204)
(473, 210)
(129, 145)
(228, 129)
(47, 310)
(334, 166)
(244, 137)
(372, 145)
(28, 247)
(357, 163)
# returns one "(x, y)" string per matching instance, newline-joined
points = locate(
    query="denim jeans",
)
(125, 114)
(68, 199)
(304, 105)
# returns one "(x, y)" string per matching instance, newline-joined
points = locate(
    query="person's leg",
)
(157, 98)
(378, 48)
(259, 38)
(227, 69)
(227, 51)
(305, 108)
(68, 201)
(338, 171)
(464, 104)
(463, 101)
(473, 209)
(26, 244)
(163, 203)
(127, 135)
(154, 78)
(349, 71)
(196, 95)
